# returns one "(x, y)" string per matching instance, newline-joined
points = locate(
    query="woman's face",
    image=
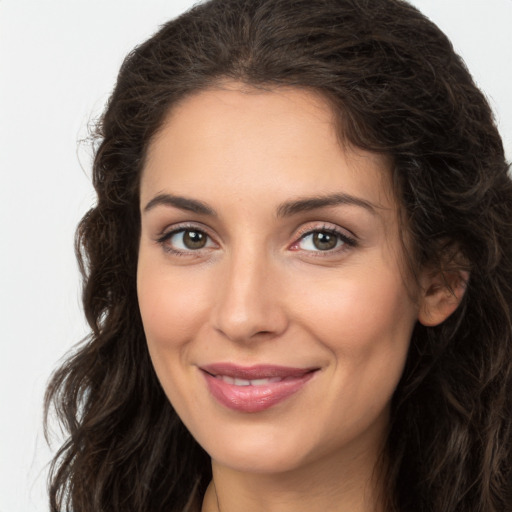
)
(270, 282)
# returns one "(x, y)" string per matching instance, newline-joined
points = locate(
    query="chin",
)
(263, 449)
(262, 461)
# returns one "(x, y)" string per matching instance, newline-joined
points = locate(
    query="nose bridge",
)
(248, 303)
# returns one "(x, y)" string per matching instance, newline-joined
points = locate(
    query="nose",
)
(249, 305)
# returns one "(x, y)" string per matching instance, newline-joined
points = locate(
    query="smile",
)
(244, 382)
(256, 388)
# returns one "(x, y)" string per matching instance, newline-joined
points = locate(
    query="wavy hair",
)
(397, 87)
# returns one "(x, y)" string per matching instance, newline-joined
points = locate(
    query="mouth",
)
(254, 388)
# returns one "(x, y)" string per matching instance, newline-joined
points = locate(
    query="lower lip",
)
(254, 398)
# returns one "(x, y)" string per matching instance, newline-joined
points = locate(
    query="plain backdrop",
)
(58, 63)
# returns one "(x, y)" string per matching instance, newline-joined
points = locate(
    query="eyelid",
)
(348, 238)
(167, 233)
(311, 227)
(179, 226)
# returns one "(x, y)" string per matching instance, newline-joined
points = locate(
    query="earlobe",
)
(442, 294)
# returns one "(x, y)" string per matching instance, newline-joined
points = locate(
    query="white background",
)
(58, 63)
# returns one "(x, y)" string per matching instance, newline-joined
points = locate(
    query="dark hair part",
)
(399, 89)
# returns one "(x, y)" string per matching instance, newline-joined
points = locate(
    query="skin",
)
(260, 291)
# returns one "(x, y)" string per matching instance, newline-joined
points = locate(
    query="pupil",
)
(324, 241)
(194, 239)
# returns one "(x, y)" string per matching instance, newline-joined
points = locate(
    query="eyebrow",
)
(183, 203)
(286, 209)
(290, 208)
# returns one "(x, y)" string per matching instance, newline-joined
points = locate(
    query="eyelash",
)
(347, 241)
(165, 237)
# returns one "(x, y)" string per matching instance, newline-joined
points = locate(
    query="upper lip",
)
(260, 371)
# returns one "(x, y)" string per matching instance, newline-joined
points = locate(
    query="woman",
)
(297, 274)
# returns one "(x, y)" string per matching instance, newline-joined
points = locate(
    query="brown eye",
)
(324, 241)
(186, 240)
(194, 239)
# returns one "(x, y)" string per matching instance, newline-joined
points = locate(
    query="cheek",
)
(365, 320)
(172, 303)
(173, 308)
(366, 325)
(362, 305)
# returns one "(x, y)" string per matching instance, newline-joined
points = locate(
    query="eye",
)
(323, 240)
(320, 241)
(185, 240)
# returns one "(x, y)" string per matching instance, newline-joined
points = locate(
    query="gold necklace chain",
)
(216, 496)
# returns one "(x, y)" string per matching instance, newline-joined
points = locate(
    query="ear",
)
(441, 295)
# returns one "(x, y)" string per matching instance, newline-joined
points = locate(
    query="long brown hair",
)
(398, 88)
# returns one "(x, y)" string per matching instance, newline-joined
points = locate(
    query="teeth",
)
(261, 382)
(245, 382)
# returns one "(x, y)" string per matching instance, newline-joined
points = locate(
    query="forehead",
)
(270, 142)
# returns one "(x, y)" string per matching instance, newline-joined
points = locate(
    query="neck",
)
(326, 487)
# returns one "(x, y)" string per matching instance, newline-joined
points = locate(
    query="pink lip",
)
(254, 398)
